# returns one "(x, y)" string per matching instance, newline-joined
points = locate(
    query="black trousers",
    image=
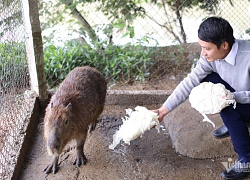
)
(236, 121)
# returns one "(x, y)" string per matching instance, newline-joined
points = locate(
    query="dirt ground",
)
(146, 158)
(151, 157)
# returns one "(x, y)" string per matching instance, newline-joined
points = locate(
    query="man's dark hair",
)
(216, 30)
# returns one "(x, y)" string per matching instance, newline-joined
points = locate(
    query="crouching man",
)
(224, 60)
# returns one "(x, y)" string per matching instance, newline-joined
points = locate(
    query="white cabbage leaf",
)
(135, 124)
(210, 98)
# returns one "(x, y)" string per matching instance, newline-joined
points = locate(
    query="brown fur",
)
(74, 107)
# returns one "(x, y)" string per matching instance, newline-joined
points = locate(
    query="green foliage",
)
(121, 14)
(180, 5)
(13, 19)
(13, 66)
(117, 63)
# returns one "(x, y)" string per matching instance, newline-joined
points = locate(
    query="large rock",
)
(192, 137)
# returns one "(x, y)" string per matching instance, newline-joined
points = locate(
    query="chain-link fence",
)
(136, 45)
(145, 33)
(16, 106)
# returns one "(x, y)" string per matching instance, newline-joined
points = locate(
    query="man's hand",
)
(162, 111)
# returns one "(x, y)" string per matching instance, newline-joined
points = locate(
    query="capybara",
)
(72, 112)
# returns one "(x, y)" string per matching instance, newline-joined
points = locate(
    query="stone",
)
(192, 137)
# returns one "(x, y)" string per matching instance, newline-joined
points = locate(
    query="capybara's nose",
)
(54, 144)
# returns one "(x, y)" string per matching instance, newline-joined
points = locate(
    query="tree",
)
(122, 13)
(55, 12)
(127, 10)
(175, 15)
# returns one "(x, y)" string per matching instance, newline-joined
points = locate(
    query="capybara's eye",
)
(66, 122)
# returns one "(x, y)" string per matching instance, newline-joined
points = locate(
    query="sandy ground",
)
(146, 158)
(151, 157)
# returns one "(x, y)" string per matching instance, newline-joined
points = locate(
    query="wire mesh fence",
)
(136, 45)
(16, 105)
(153, 42)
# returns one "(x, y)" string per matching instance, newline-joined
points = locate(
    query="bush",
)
(13, 66)
(117, 63)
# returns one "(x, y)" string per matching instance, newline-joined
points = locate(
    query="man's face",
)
(211, 52)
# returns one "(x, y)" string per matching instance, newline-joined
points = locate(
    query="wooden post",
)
(34, 48)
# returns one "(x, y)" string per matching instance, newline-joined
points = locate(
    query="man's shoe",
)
(237, 171)
(221, 132)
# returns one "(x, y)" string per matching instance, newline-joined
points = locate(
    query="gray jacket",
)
(236, 72)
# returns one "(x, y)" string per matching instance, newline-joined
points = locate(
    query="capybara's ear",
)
(69, 107)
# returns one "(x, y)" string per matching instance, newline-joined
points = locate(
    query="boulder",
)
(192, 137)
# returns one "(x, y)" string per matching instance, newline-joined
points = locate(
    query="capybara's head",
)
(58, 127)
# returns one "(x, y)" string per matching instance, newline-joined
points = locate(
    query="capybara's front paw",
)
(80, 160)
(52, 167)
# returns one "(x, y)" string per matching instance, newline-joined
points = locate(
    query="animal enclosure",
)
(22, 73)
